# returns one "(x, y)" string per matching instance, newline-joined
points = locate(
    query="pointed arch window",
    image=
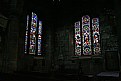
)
(33, 36)
(87, 36)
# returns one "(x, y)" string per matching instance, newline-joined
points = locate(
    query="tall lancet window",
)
(33, 32)
(26, 35)
(39, 37)
(87, 37)
(96, 36)
(77, 39)
(33, 35)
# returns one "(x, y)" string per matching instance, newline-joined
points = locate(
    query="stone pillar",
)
(11, 45)
(117, 7)
(3, 24)
(12, 35)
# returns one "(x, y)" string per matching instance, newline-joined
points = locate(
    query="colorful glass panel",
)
(39, 37)
(32, 48)
(26, 35)
(96, 36)
(77, 39)
(86, 35)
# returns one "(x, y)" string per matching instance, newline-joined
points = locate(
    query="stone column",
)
(11, 45)
(12, 35)
(117, 7)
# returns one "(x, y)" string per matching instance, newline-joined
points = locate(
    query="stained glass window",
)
(86, 35)
(77, 38)
(33, 32)
(26, 35)
(39, 37)
(33, 36)
(96, 36)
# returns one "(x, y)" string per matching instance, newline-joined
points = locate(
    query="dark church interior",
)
(66, 40)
